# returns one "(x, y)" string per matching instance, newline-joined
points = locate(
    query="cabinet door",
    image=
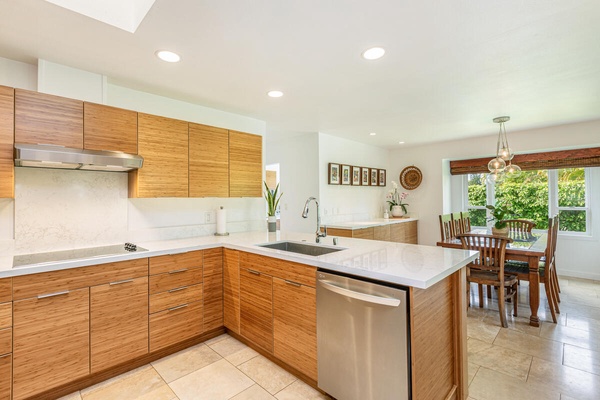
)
(175, 325)
(119, 322)
(405, 232)
(381, 232)
(364, 233)
(5, 376)
(231, 290)
(213, 288)
(245, 165)
(45, 119)
(51, 340)
(163, 142)
(7, 123)
(209, 161)
(295, 325)
(256, 308)
(109, 128)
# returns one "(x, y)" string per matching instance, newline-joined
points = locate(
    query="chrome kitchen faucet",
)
(318, 233)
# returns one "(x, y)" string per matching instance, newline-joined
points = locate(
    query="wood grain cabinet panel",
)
(295, 325)
(172, 262)
(5, 290)
(175, 297)
(209, 161)
(7, 124)
(213, 288)
(46, 119)
(364, 233)
(5, 341)
(5, 376)
(175, 325)
(109, 128)
(119, 322)
(231, 290)
(245, 165)
(163, 142)
(175, 279)
(5, 315)
(256, 308)
(381, 233)
(51, 340)
(405, 232)
(301, 273)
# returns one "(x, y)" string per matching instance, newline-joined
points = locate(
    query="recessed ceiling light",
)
(275, 93)
(168, 56)
(373, 53)
(400, 142)
(372, 133)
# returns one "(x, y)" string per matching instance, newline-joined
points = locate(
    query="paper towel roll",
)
(221, 221)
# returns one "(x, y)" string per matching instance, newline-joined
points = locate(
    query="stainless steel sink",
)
(301, 248)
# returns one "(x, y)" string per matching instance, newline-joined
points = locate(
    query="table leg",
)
(534, 290)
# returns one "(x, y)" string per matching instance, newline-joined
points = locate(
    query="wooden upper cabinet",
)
(118, 322)
(7, 123)
(46, 119)
(163, 142)
(109, 128)
(245, 165)
(209, 161)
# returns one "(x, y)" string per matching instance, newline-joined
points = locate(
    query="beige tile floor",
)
(555, 361)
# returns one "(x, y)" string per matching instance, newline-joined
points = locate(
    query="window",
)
(535, 195)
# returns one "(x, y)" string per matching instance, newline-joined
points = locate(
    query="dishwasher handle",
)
(369, 298)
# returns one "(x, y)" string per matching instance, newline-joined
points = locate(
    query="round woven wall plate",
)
(411, 177)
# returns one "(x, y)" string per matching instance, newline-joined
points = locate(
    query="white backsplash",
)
(61, 209)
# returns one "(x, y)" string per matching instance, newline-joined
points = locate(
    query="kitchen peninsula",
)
(220, 273)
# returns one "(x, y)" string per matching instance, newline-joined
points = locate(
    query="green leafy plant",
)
(272, 199)
(499, 213)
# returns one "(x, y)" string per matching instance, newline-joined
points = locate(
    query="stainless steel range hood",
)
(49, 156)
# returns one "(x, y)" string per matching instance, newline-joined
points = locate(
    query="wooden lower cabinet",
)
(5, 376)
(212, 280)
(295, 325)
(231, 290)
(51, 342)
(256, 308)
(175, 325)
(119, 322)
(402, 232)
(405, 232)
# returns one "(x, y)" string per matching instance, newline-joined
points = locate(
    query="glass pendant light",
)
(502, 163)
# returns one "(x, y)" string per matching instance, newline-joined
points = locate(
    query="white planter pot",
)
(272, 220)
(397, 211)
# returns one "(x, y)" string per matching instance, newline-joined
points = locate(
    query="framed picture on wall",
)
(346, 178)
(374, 177)
(382, 177)
(334, 174)
(364, 180)
(356, 175)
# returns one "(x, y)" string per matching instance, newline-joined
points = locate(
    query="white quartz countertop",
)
(370, 223)
(405, 264)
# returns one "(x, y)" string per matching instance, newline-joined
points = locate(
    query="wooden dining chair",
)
(446, 227)
(457, 223)
(466, 221)
(545, 269)
(488, 269)
(520, 225)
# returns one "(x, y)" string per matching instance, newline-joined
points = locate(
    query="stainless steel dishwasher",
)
(362, 339)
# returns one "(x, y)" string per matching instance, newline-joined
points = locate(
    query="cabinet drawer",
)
(5, 290)
(175, 279)
(286, 270)
(175, 297)
(27, 286)
(5, 376)
(5, 315)
(171, 262)
(5, 341)
(175, 325)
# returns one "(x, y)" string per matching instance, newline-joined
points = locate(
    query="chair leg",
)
(556, 284)
(550, 300)
(515, 296)
(501, 299)
(480, 289)
(489, 291)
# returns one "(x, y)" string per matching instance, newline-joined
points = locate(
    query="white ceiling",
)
(450, 67)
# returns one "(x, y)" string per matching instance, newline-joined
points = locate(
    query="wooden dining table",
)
(529, 248)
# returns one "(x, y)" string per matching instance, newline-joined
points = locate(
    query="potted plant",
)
(498, 215)
(272, 198)
(397, 207)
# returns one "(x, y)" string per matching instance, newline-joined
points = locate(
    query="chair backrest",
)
(555, 226)
(446, 227)
(491, 248)
(520, 225)
(457, 223)
(466, 220)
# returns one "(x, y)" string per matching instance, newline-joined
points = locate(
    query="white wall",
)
(56, 209)
(18, 74)
(575, 256)
(343, 203)
(298, 160)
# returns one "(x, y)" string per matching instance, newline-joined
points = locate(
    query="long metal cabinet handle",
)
(177, 289)
(178, 307)
(120, 282)
(254, 272)
(292, 283)
(369, 298)
(178, 270)
(43, 296)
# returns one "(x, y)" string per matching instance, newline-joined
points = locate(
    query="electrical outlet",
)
(207, 218)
